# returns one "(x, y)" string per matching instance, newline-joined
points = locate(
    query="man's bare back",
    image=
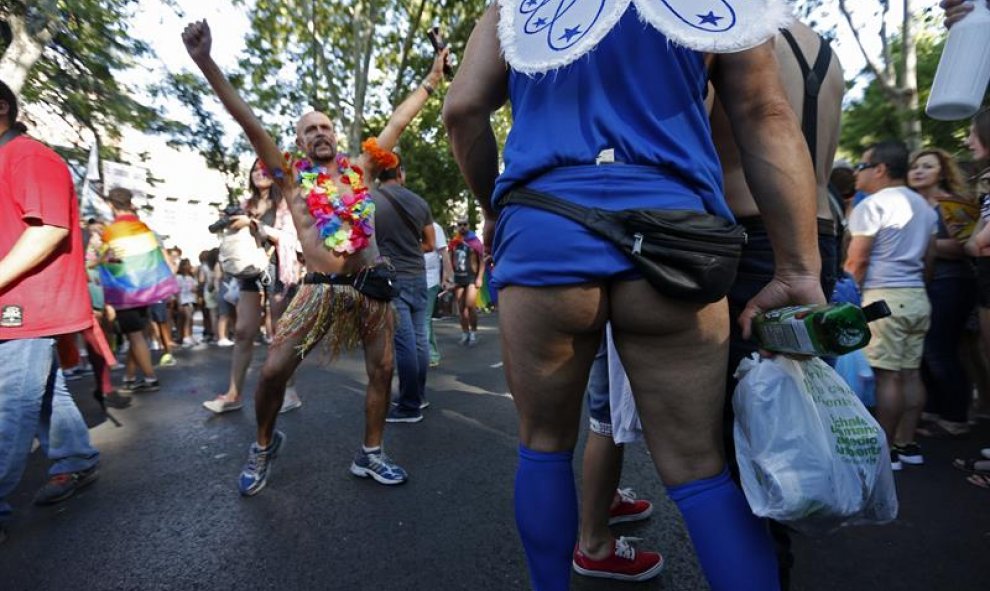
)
(737, 192)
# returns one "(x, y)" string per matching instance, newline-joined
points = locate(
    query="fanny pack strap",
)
(327, 279)
(546, 202)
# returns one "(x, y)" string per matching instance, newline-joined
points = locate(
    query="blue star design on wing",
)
(710, 18)
(541, 22)
(570, 34)
(532, 2)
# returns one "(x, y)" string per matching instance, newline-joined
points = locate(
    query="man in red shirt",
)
(43, 294)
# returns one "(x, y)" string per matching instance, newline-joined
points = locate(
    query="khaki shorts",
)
(898, 340)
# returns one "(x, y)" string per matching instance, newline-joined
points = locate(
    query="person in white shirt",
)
(438, 274)
(891, 256)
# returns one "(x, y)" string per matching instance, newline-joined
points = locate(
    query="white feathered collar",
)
(542, 35)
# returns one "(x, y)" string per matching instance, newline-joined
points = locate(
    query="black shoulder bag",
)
(684, 254)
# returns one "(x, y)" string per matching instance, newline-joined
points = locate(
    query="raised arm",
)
(778, 169)
(479, 89)
(198, 40)
(413, 104)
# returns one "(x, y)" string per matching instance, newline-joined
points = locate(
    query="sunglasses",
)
(864, 165)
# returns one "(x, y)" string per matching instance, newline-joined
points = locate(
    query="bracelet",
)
(428, 88)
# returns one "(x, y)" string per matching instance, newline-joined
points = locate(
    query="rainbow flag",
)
(138, 274)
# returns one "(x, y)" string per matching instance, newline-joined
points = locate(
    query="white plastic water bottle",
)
(964, 69)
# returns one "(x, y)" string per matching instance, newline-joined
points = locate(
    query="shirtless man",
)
(346, 294)
(756, 267)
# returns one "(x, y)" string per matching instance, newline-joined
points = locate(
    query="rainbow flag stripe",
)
(140, 276)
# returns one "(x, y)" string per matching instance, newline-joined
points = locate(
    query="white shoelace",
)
(626, 495)
(624, 549)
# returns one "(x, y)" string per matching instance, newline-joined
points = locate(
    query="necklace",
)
(345, 221)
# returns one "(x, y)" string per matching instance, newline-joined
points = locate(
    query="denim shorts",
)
(159, 312)
(597, 392)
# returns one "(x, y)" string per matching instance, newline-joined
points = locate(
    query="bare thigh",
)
(248, 315)
(675, 354)
(549, 339)
(379, 352)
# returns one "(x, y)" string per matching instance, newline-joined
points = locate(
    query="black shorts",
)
(983, 281)
(252, 284)
(133, 320)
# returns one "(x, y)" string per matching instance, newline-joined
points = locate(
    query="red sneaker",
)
(623, 564)
(629, 508)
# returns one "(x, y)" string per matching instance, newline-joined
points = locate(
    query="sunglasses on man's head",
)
(864, 165)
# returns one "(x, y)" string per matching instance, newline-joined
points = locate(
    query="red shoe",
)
(623, 564)
(629, 508)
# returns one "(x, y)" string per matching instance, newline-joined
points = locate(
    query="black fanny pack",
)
(378, 282)
(686, 255)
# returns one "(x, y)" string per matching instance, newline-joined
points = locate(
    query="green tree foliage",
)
(875, 117)
(86, 44)
(355, 60)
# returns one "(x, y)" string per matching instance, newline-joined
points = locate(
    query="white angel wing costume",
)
(542, 35)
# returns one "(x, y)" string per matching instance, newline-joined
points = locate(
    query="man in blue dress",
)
(611, 114)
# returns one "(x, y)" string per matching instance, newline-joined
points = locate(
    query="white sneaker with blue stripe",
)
(378, 466)
(254, 477)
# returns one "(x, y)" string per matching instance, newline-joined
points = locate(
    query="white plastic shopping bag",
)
(809, 453)
(233, 292)
(626, 427)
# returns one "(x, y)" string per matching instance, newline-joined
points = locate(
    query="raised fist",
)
(198, 40)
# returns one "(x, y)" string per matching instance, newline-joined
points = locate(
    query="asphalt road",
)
(165, 513)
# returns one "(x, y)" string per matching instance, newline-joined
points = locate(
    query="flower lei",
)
(345, 221)
(383, 159)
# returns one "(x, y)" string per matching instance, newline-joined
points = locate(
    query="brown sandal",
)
(979, 466)
(980, 480)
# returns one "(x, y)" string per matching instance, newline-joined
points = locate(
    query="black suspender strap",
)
(813, 79)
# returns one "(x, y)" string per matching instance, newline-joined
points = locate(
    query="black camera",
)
(438, 42)
(225, 218)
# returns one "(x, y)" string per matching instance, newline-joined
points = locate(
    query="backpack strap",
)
(406, 218)
(813, 79)
(8, 135)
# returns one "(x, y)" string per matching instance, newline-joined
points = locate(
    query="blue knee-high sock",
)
(733, 545)
(547, 516)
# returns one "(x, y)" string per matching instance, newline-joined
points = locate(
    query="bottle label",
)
(787, 335)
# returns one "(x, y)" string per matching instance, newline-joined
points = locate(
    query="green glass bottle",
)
(825, 330)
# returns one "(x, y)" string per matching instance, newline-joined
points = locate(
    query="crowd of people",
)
(214, 308)
(334, 248)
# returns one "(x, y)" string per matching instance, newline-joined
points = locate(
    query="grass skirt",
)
(340, 312)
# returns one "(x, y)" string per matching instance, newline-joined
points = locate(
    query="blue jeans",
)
(412, 355)
(431, 336)
(942, 369)
(597, 393)
(35, 402)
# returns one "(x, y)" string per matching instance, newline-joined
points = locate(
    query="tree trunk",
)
(364, 34)
(27, 43)
(911, 117)
(407, 44)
